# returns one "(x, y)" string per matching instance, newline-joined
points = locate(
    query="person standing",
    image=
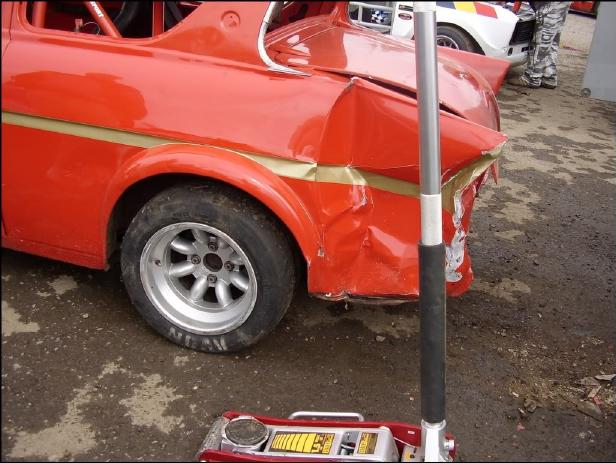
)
(541, 62)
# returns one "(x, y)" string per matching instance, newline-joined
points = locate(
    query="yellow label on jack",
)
(302, 442)
(367, 443)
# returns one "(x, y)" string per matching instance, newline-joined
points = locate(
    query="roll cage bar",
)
(97, 11)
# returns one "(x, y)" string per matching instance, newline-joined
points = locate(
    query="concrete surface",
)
(84, 378)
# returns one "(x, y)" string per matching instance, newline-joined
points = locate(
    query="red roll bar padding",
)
(516, 6)
(39, 10)
(102, 19)
(158, 18)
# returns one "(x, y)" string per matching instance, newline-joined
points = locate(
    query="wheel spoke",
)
(183, 246)
(222, 244)
(239, 280)
(197, 291)
(200, 235)
(223, 293)
(236, 259)
(181, 269)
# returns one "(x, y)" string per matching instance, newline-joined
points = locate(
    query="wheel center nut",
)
(213, 262)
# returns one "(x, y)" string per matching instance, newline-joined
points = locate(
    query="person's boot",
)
(549, 82)
(523, 81)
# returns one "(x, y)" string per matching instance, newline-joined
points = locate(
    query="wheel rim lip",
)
(444, 41)
(173, 305)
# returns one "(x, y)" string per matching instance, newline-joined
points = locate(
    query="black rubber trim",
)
(432, 331)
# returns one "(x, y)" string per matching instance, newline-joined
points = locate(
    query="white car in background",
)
(478, 27)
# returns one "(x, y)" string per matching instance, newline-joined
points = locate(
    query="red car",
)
(227, 150)
(585, 7)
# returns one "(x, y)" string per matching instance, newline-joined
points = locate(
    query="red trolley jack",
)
(313, 436)
(310, 436)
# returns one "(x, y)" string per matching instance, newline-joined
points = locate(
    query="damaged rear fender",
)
(370, 229)
(375, 128)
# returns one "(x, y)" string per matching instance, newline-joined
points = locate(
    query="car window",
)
(132, 19)
(376, 15)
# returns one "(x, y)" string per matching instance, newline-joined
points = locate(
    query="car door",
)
(57, 88)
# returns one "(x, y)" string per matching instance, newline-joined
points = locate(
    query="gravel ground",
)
(84, 378)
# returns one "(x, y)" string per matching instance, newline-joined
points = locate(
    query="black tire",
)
(462, 40)
(250, 225)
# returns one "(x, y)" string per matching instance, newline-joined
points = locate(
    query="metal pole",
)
(434, 447)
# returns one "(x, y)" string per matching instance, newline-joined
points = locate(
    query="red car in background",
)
(585, 7)
(225, 150)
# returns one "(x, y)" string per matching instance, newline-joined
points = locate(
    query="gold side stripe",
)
(300, 170)
(82, 130)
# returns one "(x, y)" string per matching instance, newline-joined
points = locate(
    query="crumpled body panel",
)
(370, 226)
(369, 241)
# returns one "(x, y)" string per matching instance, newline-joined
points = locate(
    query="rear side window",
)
(131, 19)
(375, 15)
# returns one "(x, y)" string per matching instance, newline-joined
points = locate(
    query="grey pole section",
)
(434, 446)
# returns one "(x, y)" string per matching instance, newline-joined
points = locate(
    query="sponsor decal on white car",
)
(478, 27)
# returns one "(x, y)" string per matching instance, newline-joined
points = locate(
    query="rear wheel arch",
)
(273, 195)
